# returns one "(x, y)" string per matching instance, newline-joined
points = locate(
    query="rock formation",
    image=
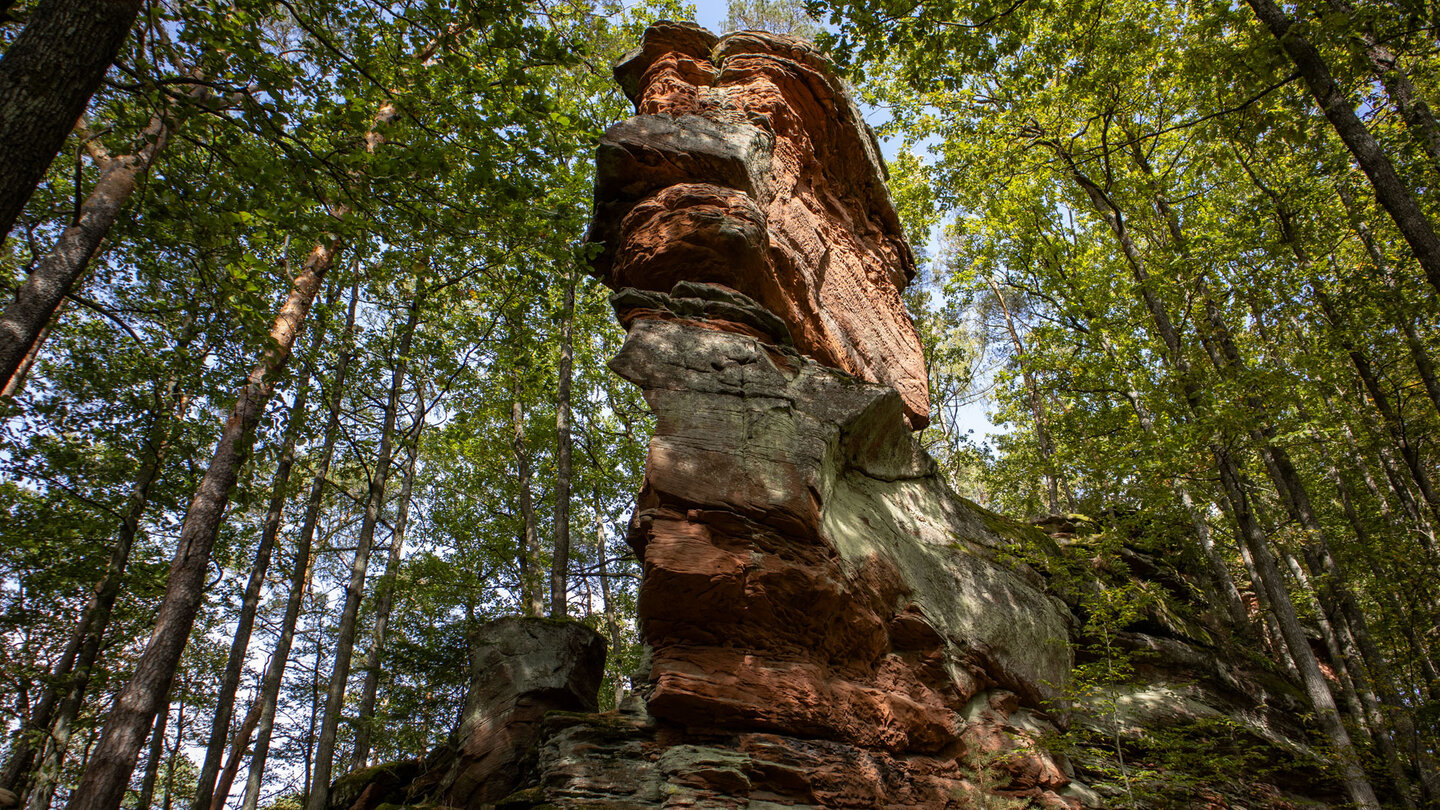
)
(820, 609)
(749, 165)
(827, 624)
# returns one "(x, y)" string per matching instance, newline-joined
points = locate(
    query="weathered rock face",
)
(829, 625)
(749, 165)
(520, 670)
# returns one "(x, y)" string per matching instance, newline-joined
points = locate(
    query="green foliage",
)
(775, 16)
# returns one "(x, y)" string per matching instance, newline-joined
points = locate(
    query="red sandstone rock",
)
(808, 576)
(750, 166)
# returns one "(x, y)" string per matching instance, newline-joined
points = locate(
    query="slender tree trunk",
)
(1037, 407)
(250, 602)
(1390, 190)
(1338, 659)
(152, 761)
(529, 537)
(300, 572)
(165, 804)
(1395, 298)
(612, 627)
(560, 563)
(237, 752)
(46, 78)
(355, 590)
(1386, 67)
(1390, 417)
(96, 619)
(385, 595)
(54, 275)
(1353, 776)
(104, 781)
(1219, 571)
(55, 712)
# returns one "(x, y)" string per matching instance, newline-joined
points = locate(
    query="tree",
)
(47, 76)
(775, 16)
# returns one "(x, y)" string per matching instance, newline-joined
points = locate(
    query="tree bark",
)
(300, 572)
(1395, 298)
(104, 781)
(1390, 190)
(174, 754)
(1386, 67)
(46, 78)
(533, 604)
(385, 595)
(250, 603)
(221, 794)
(612, 627)
(16, 383)
(355, 589)
(54, 275)
(560, 563)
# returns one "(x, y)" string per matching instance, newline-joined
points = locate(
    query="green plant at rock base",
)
(985, 789)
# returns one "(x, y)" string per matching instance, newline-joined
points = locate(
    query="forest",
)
(305, 369)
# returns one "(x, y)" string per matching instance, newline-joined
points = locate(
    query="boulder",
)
(520, 670)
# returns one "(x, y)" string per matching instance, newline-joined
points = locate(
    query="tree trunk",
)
(1395, 298)
(16, 383)
(560, 563)
(174, 753)
(355, 589)
(529, 538)
(1037, 407)
(250, 602)
(46, 78)
(152, 761)
(1224, 583)
(237, 751)
(1338, 659)
(104, 781)
(1390, 190)
(385, 595)
(1353, 776)
(55, 274)
(300, 572)
(90, 633)
(612, 627)
(1386, 67)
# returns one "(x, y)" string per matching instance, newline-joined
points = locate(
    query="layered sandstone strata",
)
(748, 165)
(816, 600)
